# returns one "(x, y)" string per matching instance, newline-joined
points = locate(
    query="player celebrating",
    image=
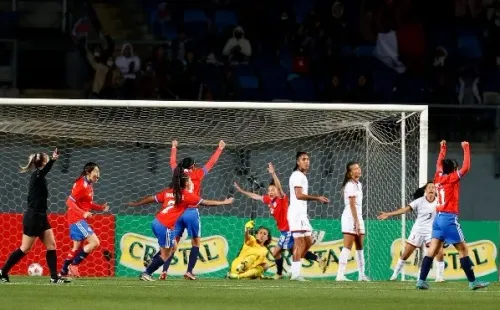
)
(424, 203)
(277, 202)
(79, 203)
(353, 226)
(35, 221)
(446, 227)
(175, 202)
(297, 212)
(190, 220)
(251, 262)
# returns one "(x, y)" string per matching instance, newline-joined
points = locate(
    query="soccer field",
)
(127, 293)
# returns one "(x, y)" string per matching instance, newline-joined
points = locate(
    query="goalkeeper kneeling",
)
(251, 262)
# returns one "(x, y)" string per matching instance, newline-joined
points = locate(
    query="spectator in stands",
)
(181, 45)
(335, 91)
(237, 48)
(148, 83)
(107, 79)
(468, 92)
(160, 66)
(129, 65)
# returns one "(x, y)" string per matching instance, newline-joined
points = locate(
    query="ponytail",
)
(179, 182)
(31, 163)
(347, 175)
(420, 191)
(88, 168)
(34, 161)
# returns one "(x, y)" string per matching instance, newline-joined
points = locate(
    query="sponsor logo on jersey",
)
(136, 248)
(483, 254)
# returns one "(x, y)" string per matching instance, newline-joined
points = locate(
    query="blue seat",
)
(364, 51)
(248, 82)
(469, 47)
(191, 16)
(303, 89)
(224, 18)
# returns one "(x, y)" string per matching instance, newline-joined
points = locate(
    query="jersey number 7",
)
(170, 205)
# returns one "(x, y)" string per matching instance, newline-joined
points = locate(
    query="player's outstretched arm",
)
(386, 215)
(248, 228)
(276, 180)
(246, 193)
(299, 193)
(466, 163)
(50, 163)
(215, 156)
(216, 203)
(173, 155)
(144, 201)
(442, 155)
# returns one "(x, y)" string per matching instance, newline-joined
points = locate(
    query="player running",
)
(175, 202)
(35, 220)
(424, 204)
(298, 219)
(190, 220)
(80, 203)
(353, 225)
(277, 202)
(446, 227)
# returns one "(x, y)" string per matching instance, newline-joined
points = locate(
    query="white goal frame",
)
(405, 110)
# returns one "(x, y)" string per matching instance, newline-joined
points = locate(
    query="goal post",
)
(131, 142)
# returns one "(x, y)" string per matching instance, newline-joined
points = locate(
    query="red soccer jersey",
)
(448, 186)
(81, 200)
(279, 210)
(170, 211)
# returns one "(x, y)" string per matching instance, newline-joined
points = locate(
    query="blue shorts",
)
(189, 220)
(80, 231)
(164, 235)
(447, 229)
(286, 240)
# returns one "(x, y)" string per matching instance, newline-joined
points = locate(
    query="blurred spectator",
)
(148, 85)
(363, 92)
(129, 65)
(107, 78)
(181, 45)
(386, 50)
(237, 48)
(468, 92)
(335, 91)
(160, 67)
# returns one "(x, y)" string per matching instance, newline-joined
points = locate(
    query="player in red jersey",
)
(277, 202)
(175, 201)
(446, 228)
(190, 220)
(80, 203)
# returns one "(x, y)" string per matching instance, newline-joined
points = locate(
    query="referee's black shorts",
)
(35, 223)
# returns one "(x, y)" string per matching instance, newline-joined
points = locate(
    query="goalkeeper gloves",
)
(249, 225)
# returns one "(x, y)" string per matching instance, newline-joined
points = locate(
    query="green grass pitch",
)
(129, 293)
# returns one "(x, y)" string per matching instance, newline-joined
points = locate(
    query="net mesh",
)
(132, 147)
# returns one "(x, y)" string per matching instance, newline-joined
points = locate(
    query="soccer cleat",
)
(422, 285)
(478, 285)
(146, 277)
(278, 277)
(364, 278)
(342, 279)
(299, 278)
(393, 278)
(4, 278)
(163, 276)
(189, 276)
(60, 280)
(323, 264)
(73, 271)
(439, 280)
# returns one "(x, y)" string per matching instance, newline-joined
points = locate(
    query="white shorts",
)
(419, 240)
(347, 224)
(298, 220)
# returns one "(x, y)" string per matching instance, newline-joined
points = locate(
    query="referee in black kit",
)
(35, 221)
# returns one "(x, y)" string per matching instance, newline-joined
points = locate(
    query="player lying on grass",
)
(80, 203)
(251, 262)
(424, 204)
(446, 227)
(277, 201)
(190, 220)
(175, 201)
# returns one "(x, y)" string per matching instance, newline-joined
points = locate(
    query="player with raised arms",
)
(353, 225)
(190, 220)
(35, 220)
(277, 201)
(446, 227)
(175, 202)
(80, 203)
(298, 219)
(424, 204)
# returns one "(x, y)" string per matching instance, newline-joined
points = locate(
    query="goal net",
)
(131, 142)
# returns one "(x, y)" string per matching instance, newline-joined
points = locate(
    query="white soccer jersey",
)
(298, 179)
(426, 212)
(353, 189)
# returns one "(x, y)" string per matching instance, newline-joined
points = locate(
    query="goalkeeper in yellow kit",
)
(251, 262)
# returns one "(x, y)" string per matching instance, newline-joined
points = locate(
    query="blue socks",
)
(279, 266)
(79, 257)
(166, 265)
(466, 264)
(155, 264)
(426, 267)
(311, 256)
(193, 258)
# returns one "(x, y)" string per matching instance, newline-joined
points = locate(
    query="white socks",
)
(397, 269)
(295, 269)
(360, 260)
(344, 256)
(439, 270)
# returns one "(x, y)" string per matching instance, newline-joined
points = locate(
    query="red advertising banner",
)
(101, 263)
